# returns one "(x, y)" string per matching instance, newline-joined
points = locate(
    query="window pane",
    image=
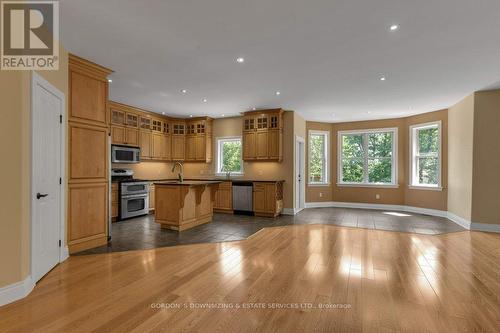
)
(380, 170)
(428, 169)
(317, 158)
(380, 144)
(352, 145)
(231, 156)
(352, 171)
(428, 140)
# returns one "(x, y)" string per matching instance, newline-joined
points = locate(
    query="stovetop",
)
(127, 179)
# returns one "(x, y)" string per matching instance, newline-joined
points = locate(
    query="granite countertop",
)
(214, 180)
(188, 182)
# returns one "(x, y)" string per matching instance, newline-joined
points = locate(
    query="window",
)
(368, 157)
(229, 155)
(425, 156)
(318, 157)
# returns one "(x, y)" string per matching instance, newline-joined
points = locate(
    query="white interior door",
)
(299, 177)
(47, 109)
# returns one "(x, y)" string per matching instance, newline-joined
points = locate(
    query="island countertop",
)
(187, 182)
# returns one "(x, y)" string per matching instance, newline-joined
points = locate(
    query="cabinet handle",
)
(38, 196)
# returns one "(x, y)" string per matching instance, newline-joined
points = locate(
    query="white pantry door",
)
(47, 109)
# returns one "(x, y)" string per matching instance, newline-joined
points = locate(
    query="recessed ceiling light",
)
(368, 112)
(163, 113)
(205, 100)
(254, 109)
(109, 80)
(184, 91)
(223, 115)
(190, 116)
(240, 60)
(278, 93)
(382, 78)
(394, 27)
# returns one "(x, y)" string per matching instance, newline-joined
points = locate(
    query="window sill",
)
(318, 184)
(425, 188)
(233, 174)
(368, 185)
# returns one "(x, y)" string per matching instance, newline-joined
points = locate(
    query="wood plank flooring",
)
(276, 281)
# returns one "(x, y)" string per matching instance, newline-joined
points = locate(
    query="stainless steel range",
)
(134, 194)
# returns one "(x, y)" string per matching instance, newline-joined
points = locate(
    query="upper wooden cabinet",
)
(88, 91)
(263, 135)
(198, 145)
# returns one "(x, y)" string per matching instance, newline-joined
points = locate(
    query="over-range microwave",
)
(125, 154)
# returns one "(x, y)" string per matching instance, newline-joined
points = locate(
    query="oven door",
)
(134, 205)
(134, 188)
(120, 154)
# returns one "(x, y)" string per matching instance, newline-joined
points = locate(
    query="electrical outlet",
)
(261, 172)
(202, 172)
(377, 196)
(321, 194)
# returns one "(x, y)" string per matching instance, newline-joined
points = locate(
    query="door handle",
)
(38, 196)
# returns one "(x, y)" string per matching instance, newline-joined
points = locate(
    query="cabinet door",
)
(118, 135)
(117, 117)
(190, 148)
(88, 99)
(259, 197)
(270, 197)
(145, 144)
(178, 147)
(261, 145)
(273, 144)
(249, 146)
(200, 148)
(167, 148)
(157, 144)
(132, 137)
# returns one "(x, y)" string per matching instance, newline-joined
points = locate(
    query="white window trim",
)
(412, 161)
(218, 153)
(327, 158)
(394, 182)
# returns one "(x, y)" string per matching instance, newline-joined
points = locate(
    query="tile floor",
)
(142, 233)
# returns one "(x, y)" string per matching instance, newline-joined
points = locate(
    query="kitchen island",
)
(184, 205)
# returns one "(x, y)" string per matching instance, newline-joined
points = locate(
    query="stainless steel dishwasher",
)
(243, 198)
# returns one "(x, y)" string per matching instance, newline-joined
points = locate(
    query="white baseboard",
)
(291, 211)
(16, 291)
(459, 220)
(64, 254)
(486, 227)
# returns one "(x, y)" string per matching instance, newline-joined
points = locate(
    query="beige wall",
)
(425, 198)
(486, 161)
(460, 158)
(395, 196)
(15, 132)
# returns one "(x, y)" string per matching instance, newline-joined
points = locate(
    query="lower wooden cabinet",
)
(268, 198)
(87, 216)
(223, 202)
(114, 202)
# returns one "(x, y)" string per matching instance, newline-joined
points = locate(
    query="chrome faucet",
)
(181, 173)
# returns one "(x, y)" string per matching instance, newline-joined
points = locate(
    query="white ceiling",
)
(326, 57)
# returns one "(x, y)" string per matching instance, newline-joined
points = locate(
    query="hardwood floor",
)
(383, 280)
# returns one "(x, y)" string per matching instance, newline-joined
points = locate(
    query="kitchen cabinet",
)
(223, 202)
(145, 143)
(88, 128)
(178, 130)
(198, 145)
(121, 135)
(268, 198)
(114, 202)
(263, 135)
